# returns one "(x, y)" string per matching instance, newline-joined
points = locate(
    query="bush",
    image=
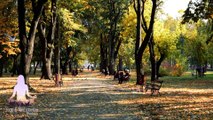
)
(177, 70)
(163, 72)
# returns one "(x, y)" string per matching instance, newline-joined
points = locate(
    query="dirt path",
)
(92, 99)
(87, 99)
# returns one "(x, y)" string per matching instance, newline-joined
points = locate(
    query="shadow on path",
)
(93, 99)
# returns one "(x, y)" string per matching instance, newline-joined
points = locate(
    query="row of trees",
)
(44, 27)
(109, 34)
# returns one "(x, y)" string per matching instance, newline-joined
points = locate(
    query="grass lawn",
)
(183, 98)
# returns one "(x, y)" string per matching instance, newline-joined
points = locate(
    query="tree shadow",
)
(179, 105)
(81, 104)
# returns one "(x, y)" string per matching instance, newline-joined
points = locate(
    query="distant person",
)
(21, 91)
(88, 67)
(120, 77)
(76, 71)
(81, 69)
(92, 68)
(116, 75)
(127, 75)
(106, 72)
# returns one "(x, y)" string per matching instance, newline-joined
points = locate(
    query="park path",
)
(89, 99)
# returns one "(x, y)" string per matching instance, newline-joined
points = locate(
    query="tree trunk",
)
(27, 43)
(42, 32)
(114, 16)
(111, 61)
(22, 36)
(162, 57)
(103, 51)
(48, 44)
(57, 50)
(152, 59)
(138, 57)
(64, 68)
(36, 66)
(70, 66)
(139, 70)
(117, 48)
(67, 59)
(51, 37)
(15, 66)
(1, 66)
(141, 46)
(120, 64)
(111, 51)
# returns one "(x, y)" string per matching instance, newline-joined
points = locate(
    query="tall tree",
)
(71, 31)
(27, 40)
(141, 42)
(166, 35)
(108, 16)
(116, 11)
(48, 41)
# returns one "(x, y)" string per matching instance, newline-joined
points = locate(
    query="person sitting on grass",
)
(21, 91)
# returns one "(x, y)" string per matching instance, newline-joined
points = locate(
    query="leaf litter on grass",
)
(174, 103)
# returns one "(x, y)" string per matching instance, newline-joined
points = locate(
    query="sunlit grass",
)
(185, 97)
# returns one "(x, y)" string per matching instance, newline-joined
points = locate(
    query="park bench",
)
(154, 86)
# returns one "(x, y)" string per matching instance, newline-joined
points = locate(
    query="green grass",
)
(184, 81)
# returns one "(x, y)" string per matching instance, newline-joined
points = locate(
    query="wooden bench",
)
(154, 86)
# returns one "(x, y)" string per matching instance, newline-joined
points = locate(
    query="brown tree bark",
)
(48, 42)
(138, 57)
(103, 52)
(67, 60)
(14, 70)
(162, 57)
(57, 66)
(114, 16)
(152, 59)
(140, 44)
(27, 42)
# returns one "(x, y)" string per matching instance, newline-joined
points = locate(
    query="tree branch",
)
(143, 21)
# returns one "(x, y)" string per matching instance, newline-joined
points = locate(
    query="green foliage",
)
(128, 37)
(199, 9)
(163, 72)
(195, 43)
(68, 26)
(179, 68)
(166, 35)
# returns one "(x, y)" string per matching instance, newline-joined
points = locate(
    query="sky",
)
(173, 6)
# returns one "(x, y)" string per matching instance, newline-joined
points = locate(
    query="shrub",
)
(163, 72)
(177, 70)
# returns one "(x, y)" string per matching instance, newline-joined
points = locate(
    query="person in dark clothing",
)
(120, 77)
